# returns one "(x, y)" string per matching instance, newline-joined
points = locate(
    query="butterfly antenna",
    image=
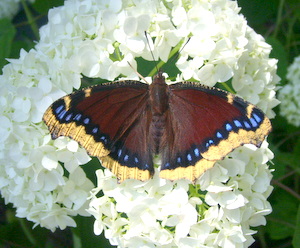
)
(185, 44)
(176, 57)
(151, 51)
(140, 75)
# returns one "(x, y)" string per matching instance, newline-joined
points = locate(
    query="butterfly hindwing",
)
(209, 123)
(110, 121)
(132, 151)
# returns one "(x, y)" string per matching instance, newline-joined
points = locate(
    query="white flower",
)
(222, 216)
(289, 95)
(97, 39)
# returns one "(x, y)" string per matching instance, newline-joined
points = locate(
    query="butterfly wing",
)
(205, 125)
(111, 121)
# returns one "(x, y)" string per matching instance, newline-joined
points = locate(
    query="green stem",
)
(279, 17)
(291, 24)
(27, 232)
(161, 63)
(118, 53)
(30, 19)
(281, 222)
(156, 68)
(262, 239)
(227, 88)
(286, 188)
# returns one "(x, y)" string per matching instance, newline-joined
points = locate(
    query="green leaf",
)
(296, 151)
(283, 159)
(258, 12)
(43, 6)
(279, 162)
(90, 169)
(291, 158)
(25, 44)
(281, 222)
(296, 238)
(7, 34)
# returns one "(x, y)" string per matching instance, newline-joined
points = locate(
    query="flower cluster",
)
(9, 8)
(217, 211)
(289, 95)
(31, 175)
(97, 39)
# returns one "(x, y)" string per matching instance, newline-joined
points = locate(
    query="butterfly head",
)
(158, 92)
(159, 78)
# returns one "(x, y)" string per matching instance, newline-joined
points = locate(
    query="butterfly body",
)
(126, 122)
(158, 102)
(159, 95)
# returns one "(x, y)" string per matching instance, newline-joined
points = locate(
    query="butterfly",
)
(125, 123)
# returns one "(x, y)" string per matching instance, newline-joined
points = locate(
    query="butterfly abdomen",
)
(157, 132)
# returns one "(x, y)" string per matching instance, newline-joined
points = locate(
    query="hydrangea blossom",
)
(9, 8)
(217, 211)
(97, 39)
(289, 95)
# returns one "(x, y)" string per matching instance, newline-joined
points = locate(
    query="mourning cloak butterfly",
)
(125, 123)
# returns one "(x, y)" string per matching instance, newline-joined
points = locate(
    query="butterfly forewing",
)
(111, 122)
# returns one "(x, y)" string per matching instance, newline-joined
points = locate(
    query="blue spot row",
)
(65, 116)
(186, 159)
(124, 157)
(251, 123)
(127, 158)
(194, 154)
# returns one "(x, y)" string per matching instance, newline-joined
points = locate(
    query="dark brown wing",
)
(205, 124)
(111, 121)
